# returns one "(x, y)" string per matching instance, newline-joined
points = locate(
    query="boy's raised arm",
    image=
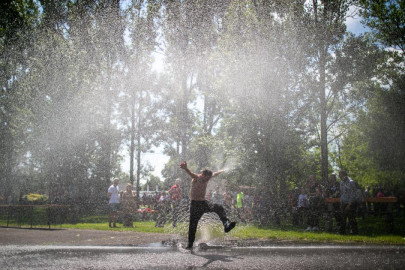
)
(183, 165)
(217, 173)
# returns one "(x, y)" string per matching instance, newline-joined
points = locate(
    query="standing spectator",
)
(240, 204)
(144, 199)
(367, 194)
(175, 197)
(247, 203)
(302, 206)
(129, 206)
(348, 206)
(228, 203)
(227, 198)
(113, 195)
(360, 205)
(315, 203)
(332, 190)
(163, 208)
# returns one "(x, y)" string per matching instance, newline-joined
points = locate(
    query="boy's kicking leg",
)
(220, 211)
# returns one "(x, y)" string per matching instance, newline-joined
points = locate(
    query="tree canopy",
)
(274, 91)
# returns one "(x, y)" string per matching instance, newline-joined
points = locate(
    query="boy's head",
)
(206, 172)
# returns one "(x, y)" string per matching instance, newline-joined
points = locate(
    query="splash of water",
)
(209, 230)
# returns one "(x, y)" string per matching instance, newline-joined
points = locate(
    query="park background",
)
(271, 90)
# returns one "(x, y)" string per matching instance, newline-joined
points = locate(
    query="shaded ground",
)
(150, 257)
(76, 237)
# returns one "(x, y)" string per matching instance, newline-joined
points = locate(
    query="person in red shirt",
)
(199, 206)
(175, 197)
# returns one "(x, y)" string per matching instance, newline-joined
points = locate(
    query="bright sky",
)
(353, 23)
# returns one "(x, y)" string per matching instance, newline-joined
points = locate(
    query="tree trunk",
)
(139, 136)
(323, 109)
(132, 146)
(184, 117)
(107, 135)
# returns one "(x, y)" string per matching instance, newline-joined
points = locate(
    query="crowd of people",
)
(305, 204)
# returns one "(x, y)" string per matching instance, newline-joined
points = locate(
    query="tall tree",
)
(141, 97)
(261, 78)
(328, 26)
(382, 124)
(18, 20)
(110, 37)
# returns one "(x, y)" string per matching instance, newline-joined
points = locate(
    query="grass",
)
(144, 226)
(251, 232)
(372, 231)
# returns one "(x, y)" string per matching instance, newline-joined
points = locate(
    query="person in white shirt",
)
(113, 202)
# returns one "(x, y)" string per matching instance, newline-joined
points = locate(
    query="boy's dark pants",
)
(197, 210)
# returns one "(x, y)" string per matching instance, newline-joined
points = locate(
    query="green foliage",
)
(373, 150)
(153, 182)
(387, 20)
(18, 20)
(265, 89)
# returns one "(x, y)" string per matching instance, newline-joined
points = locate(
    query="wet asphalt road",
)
(155, 256)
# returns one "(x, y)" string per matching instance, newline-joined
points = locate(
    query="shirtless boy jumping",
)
(199, 206)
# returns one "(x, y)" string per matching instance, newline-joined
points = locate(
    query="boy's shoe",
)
(228, 226)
